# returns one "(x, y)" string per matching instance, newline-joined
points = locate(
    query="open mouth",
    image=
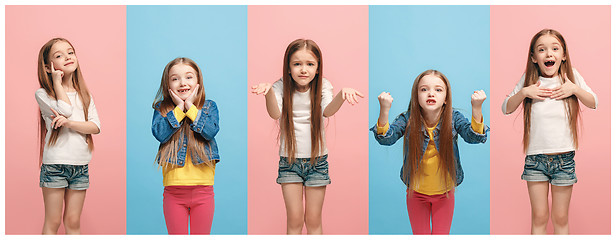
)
(183, 90)
(549, 63)
(431, 101)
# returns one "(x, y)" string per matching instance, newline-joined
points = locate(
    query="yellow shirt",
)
(430, 180)
(189, 174)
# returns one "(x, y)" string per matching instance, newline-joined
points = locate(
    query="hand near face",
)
(565, 90)
(477, 98)
(176, 99)
(385, 99)
(536, 92)
(351, 95)
(56, 74)
(261, 88)
(191, 98)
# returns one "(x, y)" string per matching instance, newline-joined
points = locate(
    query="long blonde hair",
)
(532, 76)
(164, 104)
(414, 136)
(46, 82)
(287, 129)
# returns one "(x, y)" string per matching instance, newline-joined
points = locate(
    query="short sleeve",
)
(518, 88)
(326, 93)
(277, 88)
(579, 80)
(93, 114)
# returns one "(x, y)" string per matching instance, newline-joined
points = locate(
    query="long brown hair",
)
(532, 76)
(163, 104)
(46, 82)
(287, 128)
(414, 136)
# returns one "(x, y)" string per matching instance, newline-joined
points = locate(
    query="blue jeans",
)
(301, 171)
(74, 177)
(559, 169)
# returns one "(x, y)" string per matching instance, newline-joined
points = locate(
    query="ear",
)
(532, 58)
(47, 68)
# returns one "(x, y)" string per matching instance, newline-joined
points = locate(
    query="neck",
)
(431, 118)
(67, 81)
(302, 88)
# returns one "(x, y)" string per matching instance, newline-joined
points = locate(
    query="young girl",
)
(431, 168)
(550, 90)
(68, 118)
(300, 99)
(185, 125)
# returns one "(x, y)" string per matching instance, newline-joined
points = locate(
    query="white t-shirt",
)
(301, 118)
(71, 147)
(549, 124)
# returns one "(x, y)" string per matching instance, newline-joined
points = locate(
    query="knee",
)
(540, 218)
(53, 223)
(560, 219)
(313, 221)
(295, 221)
(71, 221)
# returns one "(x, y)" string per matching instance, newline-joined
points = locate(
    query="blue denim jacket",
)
(461, 126)
(206, 124)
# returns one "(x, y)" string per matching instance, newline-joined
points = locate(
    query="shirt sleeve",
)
(518, 87)
(477, 127)
(93, 114)
(579, 80)
(46, 103)
(327, 94)
(179, 114)
(381, 130)
(277, 88)
(192, 113)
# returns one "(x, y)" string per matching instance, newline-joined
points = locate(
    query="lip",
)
(183, 91)
(69, 63)
(549, 63)
(430, 101)
(303, 76)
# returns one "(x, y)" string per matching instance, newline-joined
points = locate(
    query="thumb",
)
(538, 83)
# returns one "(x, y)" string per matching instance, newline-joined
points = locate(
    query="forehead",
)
(303, 55)
(59, 46)
(547, 39)
(181, 68)
(431, 80)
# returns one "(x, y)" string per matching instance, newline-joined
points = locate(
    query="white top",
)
(301, 118)
(71, 147)
(549, 125)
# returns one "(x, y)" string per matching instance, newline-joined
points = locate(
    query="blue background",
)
(405, 41)
(215, 38)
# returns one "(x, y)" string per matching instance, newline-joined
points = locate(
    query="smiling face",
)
(548, 54)
(182, 80)
(431, 93)
(63, 57)
(303, 66)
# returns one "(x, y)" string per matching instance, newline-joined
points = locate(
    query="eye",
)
(174, 78)
(311, 64)
(71, 53)
(555, 49)
(295, 64)
(423, 89)
(439, 90)
(189, 77)
(58, 56)
(541, 50)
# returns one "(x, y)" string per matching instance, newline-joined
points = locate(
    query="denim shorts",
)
(74, 177)
(301, 171)
(559, 169)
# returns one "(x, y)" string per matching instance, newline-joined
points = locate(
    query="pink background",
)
(98, 34)
(587, 32)
(342, 34)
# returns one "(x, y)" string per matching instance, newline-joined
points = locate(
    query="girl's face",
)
(432, 93)
(303, 66)
(182, 80)
(548, 54)
(63, 57)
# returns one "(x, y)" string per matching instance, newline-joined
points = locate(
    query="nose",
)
(303, 69)
(431, 93)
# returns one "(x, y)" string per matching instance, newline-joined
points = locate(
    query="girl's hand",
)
(56, 75)
(191, 98)
(261, 88)
(385, 100)
(59, 120)
(350, 95)
(477, 99)
(536, 92)
(177, 100)
(565, 90)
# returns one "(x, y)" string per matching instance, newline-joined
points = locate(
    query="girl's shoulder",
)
(209, 104)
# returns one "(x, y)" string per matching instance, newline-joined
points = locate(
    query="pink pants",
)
(182, 202)
(421, 207)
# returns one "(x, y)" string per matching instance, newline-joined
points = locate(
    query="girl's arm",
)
(466, 131)
(46, 103)
(532, 91)
(384, 133)
(348, 94)
(87, 127)
(271, 103)
(385, 100)
(580, 90)
(56, 76)
(164, 127)
(476, 101)
(206, 122)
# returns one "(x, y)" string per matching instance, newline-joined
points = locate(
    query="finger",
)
(52, 68)
(53, 123)
(355, 98)
(538, 83)
(54, 112)
(361, 95)
(60, 123)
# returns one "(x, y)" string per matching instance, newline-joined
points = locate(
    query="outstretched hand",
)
(351, 95)
(261, 88)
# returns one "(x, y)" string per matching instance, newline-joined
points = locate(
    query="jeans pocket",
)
(283, 164)
(530, 163)
(567, 166)
(322, 166)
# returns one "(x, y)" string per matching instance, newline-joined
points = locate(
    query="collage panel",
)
(586, 34)
(405, 41)
(341, 34)
(89, 50)
(214, 39)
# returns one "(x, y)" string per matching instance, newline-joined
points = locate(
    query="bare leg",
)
(53, 198)
(561, 197)
(314, 209)
(294, 202)
(538, 194)
(72, 212)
